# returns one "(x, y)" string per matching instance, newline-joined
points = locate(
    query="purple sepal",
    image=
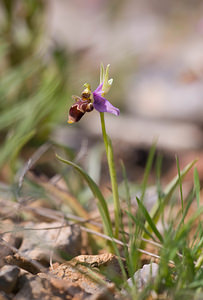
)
(98, 89)
(101, 104)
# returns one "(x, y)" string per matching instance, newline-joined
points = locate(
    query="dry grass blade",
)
(61, 194)
(30, 163)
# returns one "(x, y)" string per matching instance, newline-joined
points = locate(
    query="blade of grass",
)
(197, 186)
(149, 220)
(140, 225)
(196, 284)
(103, 208)
(184, 213)
(159, 187)
(129, 254)
(158, 175)
(185, 228)
(147, 170)
(180, 185)
(168, 191)
(127, 190)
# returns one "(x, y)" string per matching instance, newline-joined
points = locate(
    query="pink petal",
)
(103, 105)
(99, 89)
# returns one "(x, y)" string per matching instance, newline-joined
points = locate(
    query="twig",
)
(31, 161)
(34, 264)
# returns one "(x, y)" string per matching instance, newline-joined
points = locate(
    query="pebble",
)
(8, 278)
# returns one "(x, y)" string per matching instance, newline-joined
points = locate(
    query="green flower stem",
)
(105, 137)
(112, 171)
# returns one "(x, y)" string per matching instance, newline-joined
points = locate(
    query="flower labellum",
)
(88, 101)
(81, 106)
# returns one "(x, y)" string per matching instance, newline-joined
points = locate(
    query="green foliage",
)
(179, 251)
(102, 205)
(149, 220)
(32, 86)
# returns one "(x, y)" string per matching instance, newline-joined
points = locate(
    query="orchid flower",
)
(90, 100)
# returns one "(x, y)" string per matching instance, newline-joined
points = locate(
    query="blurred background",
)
(49, 49)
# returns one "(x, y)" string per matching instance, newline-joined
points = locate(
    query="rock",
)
(44, 287)
(106, 293)
(8, 278)
(81, 269)
(143, 276)
(10, 237)
(79, 275)
(107, 263)
(5, 296)
(38, 243)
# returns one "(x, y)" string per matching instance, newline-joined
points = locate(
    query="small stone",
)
(106, 293)
(144, 275)
(8, 278)
(10, 237)
(39, 243)
(43, 286)
(4, 296)
(80, 268)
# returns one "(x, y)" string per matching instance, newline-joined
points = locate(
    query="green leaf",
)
(187, 227)
(128, 198)
(197, 186)
(149, 220)
(147, 169)
(168, 191)
(180, 185)
(185, 211)
(103, 208)
(196, 284)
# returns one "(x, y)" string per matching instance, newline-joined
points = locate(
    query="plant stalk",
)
(112, 172)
